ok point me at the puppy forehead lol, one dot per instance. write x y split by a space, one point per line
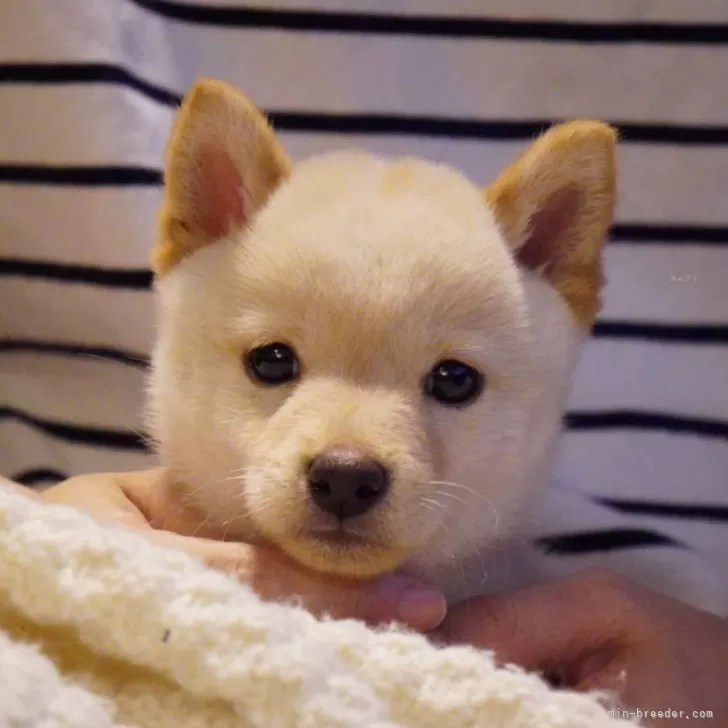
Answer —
360 199
406 236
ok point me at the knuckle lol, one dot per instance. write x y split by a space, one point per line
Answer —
500 620
616 596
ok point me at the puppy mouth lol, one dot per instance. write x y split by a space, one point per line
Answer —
340 535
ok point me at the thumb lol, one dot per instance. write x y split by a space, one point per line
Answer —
275 577
551 628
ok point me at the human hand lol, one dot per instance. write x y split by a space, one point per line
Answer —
147 501
599 631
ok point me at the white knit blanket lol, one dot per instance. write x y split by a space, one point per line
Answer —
99 628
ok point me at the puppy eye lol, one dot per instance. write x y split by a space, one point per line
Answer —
453 383
273 364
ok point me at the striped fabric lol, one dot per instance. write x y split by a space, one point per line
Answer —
88 91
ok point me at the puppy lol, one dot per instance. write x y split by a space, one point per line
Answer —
365 362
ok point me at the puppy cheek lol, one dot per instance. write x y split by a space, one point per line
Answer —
484 483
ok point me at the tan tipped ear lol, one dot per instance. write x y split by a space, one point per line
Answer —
223 162
555 205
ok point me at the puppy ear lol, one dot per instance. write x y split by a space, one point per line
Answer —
555 205
223 162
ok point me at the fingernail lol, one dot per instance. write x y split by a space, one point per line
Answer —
421 606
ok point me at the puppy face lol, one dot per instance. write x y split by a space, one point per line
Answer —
365 362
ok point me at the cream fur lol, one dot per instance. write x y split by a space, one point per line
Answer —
373 271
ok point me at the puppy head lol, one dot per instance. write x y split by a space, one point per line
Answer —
365 362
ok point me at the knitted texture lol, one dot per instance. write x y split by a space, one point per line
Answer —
101 628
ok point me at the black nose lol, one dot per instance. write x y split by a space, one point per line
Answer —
345 484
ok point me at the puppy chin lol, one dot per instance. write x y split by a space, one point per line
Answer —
342 556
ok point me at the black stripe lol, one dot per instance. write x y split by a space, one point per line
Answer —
441 26
589 542
334 123
374 125
111 277
75 73
137 279
74 350
667 333
39 476
631 420
91 436
671 510
662 234
426 126
72 176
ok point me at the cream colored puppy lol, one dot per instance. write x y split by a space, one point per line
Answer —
363 361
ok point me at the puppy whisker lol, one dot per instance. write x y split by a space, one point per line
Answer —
442 485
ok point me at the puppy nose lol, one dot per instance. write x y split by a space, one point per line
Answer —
345 484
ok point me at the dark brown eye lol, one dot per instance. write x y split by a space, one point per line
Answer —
453 383
273 364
